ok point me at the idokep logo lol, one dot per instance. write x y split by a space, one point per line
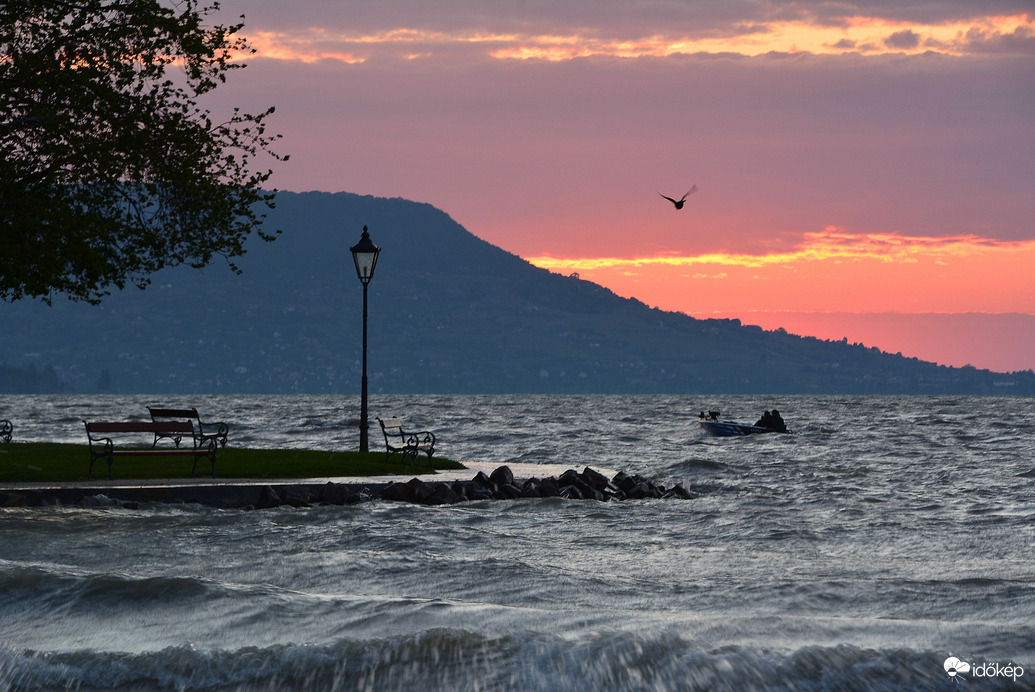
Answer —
955 668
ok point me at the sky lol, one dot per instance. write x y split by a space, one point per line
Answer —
865 169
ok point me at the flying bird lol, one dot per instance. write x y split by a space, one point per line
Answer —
679 202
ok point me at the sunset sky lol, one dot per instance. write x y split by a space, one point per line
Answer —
865 169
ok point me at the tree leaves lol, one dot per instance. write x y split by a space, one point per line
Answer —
110 168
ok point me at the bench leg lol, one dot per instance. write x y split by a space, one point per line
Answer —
108 457
212 457
210 453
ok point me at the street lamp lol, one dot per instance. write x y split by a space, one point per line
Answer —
364 253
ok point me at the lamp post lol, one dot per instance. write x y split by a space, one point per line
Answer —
364 253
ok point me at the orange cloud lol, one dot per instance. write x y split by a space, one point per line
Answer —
866 35
314 44
830 271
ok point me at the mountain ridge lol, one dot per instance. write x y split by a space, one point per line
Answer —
448 313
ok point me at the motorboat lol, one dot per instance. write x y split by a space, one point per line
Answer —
726 428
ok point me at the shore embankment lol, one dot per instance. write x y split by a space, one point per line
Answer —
499 484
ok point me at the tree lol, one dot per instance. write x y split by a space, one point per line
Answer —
109 168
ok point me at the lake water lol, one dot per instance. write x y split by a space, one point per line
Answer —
883 537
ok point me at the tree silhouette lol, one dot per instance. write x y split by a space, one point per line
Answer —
109 168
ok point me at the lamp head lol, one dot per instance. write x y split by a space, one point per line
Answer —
365 253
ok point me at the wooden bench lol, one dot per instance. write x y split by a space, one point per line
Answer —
104 447
203 433
5 430
410 444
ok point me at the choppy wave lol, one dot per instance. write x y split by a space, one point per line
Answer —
885 535
449 659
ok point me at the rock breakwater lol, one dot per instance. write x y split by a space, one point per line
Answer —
501 484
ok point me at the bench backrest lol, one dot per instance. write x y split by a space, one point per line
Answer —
141 427
174 413
391 426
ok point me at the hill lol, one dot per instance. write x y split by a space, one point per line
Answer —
449 313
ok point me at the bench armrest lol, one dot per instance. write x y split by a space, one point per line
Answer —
421 437
218 431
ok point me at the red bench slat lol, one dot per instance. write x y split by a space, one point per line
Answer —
141 427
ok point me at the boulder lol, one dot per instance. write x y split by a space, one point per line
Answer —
594 479
268 498
398 492
442 494
624 482
481 479
419 491
334 493
13 500
571 479
478 491
531 488
296 496
508 491
548 487
570 492
644 491
679 492
460 489
502 476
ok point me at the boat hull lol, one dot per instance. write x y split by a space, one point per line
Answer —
731 429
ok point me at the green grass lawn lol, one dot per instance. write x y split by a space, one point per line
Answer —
42 462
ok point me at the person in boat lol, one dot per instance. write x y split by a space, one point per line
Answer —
772 421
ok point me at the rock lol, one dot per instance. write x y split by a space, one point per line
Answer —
502 476
508 491
481 479
568 477
268 498
624 482
396 492
477 491
679 492
548 487
594 479
644 491
296 496
334 493
13 500
419 490
570 492
571 479
531 488
442 494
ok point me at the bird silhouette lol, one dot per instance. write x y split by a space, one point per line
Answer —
679 202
